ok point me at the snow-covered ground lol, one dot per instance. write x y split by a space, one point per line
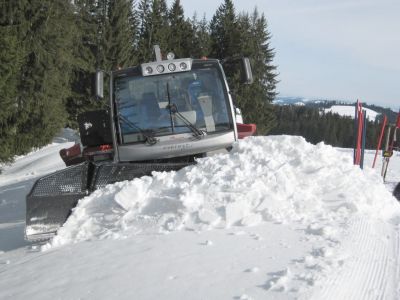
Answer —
277 218
348 111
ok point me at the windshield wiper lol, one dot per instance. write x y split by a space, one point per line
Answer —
196 131
173 109
148 134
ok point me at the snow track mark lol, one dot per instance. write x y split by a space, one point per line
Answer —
368 273
397 262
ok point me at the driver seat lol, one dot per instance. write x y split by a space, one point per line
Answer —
150 106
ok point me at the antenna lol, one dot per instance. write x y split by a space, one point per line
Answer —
157 51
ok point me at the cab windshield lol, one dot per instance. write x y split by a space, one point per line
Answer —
171 104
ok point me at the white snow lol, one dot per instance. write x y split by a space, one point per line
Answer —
276 218
348 111
40 161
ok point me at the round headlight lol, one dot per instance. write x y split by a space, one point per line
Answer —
171 67
160 68
170 55
183 66
149 70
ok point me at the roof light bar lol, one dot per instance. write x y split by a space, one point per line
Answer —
183 66
170 55
148 70
172 67
160 68
166 66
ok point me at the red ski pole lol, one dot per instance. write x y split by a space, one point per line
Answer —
380 140
359 134
355 133
364 136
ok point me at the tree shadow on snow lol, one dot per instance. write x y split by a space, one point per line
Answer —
396 191
12 214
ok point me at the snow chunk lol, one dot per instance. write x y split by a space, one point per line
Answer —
208 216
280 281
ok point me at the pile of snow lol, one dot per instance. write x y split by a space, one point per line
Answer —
281 179
348 111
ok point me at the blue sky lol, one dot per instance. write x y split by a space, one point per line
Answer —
341 49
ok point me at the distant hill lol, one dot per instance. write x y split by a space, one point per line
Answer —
339 107
321 103
348 111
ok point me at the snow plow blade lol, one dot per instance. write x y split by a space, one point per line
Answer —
52 197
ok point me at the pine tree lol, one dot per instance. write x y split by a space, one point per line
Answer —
233 37
44 77
106 41
143 13
180 35
119 35
263 65
224 33
86 59
134 22
37 38
159 23
201 42
153 27
12 52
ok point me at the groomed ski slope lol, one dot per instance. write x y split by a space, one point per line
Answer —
276 218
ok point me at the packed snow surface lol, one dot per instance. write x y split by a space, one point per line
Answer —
276 218
348 111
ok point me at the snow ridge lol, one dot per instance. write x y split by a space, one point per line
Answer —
264 179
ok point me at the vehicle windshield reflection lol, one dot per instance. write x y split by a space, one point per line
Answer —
198 95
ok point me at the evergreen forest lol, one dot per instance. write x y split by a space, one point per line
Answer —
50 49
317 126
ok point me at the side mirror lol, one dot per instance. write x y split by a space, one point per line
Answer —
247 74
99 84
